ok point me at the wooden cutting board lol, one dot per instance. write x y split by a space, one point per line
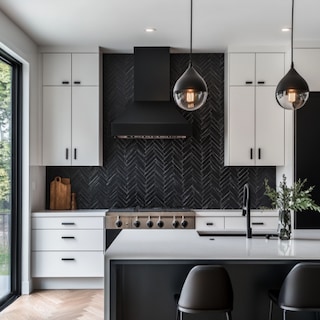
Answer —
60 194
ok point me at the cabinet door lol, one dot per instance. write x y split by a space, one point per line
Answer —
56 125
56 69
85 126
85 69
269 128
269 68
241 126
241 69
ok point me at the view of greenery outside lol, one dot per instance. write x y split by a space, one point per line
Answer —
5 165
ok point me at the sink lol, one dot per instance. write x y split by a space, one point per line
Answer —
240 233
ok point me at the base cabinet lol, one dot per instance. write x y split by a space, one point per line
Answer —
67 247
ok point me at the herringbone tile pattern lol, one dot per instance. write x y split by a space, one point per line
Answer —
165 173
57 305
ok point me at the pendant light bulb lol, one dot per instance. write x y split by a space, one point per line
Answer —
190 92
292 92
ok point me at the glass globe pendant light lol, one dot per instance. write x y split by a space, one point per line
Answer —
190 92
292 91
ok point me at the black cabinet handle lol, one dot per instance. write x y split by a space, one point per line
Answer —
63 237
77 82
209 223
68 259
67 153
75 153
251 153
65 82
261 82
257 223
68 223
249 82
259 153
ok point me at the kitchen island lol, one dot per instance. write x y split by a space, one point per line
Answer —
145 270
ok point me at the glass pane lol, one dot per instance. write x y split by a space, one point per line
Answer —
5 177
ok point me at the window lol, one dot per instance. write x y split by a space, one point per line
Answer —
10 178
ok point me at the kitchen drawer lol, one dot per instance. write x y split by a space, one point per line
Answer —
68 223
71 240
257 223
209 223
67 264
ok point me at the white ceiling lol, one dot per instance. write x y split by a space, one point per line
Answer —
118 25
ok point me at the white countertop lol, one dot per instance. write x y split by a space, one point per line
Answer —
71 213
188 245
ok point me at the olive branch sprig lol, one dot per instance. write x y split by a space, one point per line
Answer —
291 198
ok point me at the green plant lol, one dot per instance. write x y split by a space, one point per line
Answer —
291 198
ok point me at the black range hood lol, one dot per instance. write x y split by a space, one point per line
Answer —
152 115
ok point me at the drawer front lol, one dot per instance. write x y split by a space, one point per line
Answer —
68 223
209 223
257 223
264 223
69 240
67 264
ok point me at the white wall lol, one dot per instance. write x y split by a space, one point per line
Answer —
24 49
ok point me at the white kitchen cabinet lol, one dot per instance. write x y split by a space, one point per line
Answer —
306 62
229 222
254 122
67 246
72 129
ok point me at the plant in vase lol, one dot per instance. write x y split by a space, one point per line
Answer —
287 198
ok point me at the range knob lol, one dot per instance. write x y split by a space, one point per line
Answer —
184 223
136 223
175 223
160 223
149 223
118 222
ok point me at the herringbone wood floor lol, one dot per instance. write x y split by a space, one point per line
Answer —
57 305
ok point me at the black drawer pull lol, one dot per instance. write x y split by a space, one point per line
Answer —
75 153
257 223
67 153
76 82
68 259
209 223
249 82
65 82
63 237
68 223
251 153
261 82
259 153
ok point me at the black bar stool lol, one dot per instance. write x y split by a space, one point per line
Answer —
206 288
299 291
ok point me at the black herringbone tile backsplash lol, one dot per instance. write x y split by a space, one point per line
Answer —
165 173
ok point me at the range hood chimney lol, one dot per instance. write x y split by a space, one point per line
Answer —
152 115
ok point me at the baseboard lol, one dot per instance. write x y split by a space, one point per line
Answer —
68 283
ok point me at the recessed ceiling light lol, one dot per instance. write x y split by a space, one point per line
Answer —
285 29
150 29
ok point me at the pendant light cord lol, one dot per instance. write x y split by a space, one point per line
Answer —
191 11
292 15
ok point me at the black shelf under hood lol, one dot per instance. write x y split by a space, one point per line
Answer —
151 120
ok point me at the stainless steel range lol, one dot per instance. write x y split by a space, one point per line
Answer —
158 218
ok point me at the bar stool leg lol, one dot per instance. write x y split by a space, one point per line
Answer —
284 315
317 315
229 315
270 309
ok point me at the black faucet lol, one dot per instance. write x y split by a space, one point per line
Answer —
246 208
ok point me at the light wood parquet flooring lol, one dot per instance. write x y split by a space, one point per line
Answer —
57 305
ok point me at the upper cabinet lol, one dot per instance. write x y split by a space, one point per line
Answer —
306 62
254 122
72 123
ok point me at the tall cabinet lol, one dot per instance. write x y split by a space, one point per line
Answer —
72 122
254 122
